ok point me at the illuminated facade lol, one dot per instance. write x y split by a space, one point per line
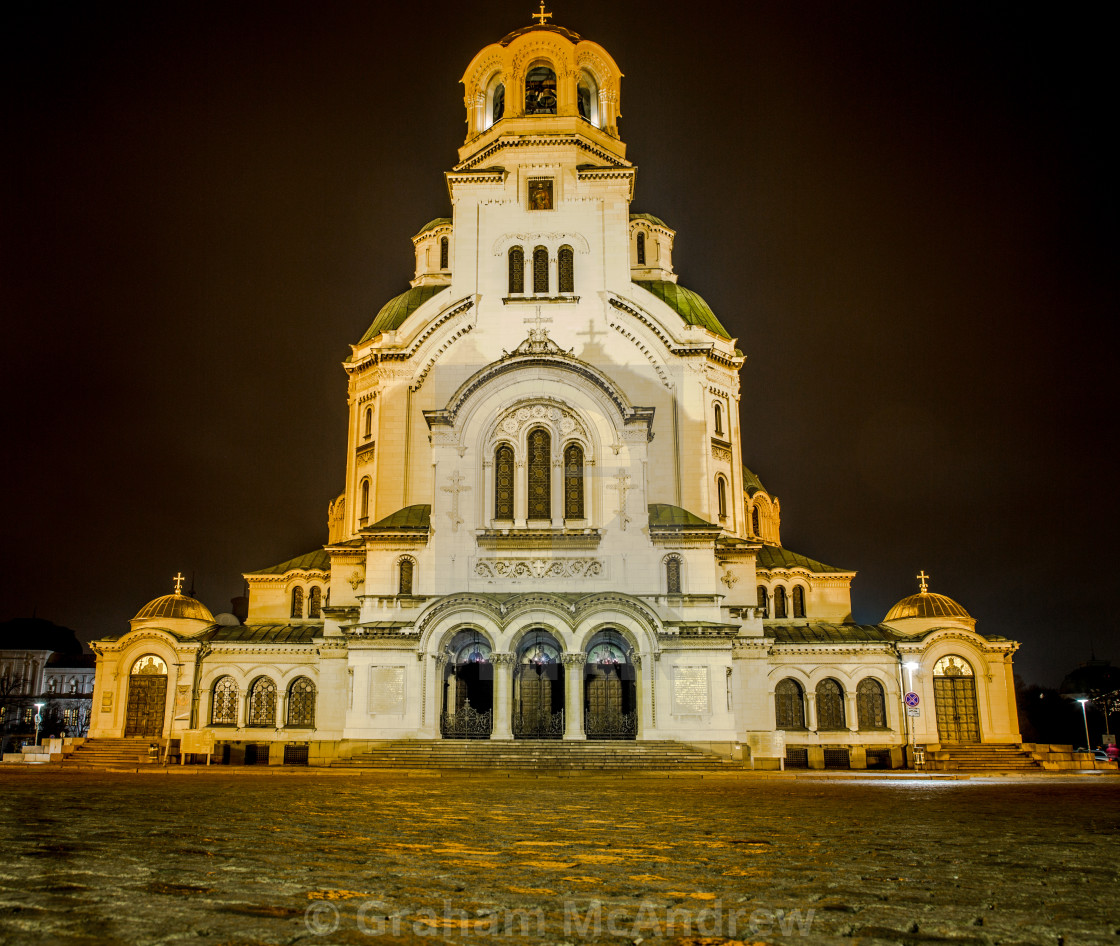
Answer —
547 529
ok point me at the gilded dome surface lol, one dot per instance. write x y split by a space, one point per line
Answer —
175 606
926 604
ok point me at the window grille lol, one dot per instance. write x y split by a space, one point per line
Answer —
789 705
262 703
301 703
566 264
224 709
830 705
516 270
540 475
573 482
540 270
503 482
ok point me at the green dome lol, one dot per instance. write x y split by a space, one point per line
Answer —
686 303
399 308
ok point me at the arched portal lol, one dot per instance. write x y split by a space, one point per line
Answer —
147 697
610 706
538 688
468 688
954 696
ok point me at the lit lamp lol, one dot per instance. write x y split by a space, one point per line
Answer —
1085 717
39 720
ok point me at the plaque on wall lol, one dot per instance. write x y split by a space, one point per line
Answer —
386 690
690 690
106 702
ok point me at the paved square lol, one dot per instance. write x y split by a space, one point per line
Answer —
248 859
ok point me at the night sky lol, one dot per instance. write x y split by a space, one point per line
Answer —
905 212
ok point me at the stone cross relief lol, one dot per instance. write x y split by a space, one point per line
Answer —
457 486
623 486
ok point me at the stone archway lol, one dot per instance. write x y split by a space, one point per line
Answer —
147 697
538 687
610 706
468 688
954 695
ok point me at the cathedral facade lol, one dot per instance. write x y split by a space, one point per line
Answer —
547 529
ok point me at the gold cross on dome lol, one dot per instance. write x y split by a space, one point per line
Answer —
924 579
179 579
542 16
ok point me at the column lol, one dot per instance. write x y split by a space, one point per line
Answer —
503 675
811 710
573 696
851 710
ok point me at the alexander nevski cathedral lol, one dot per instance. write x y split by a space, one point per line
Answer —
547 528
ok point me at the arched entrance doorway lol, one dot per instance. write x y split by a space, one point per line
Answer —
954 695
538 688
147 697
468 688
610 706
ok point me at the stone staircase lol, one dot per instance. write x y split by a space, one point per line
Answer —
986 757
109 753
530 755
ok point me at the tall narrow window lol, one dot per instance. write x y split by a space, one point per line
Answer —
223 708
498 106
641 248
443 252
404 586
764 601
262 702
673 575
780 602
721 496
297 602
719 419
830 705
365 502
540 270
367 430
798 601
789 705
566 265
503 482
756 526
540 475
573 482
870 704
516 269
301 703
315 602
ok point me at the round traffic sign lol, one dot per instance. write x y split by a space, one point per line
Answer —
912 699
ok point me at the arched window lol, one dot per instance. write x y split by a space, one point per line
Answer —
871 704
407 568
641 248
443 252
952 667
798 601
789 705
365 502
297 602
830 705
540 91
540 270
756 526
540 475
780 602
367 430
516 270
315 602
587 95
52 685
503 482
223 707
673 575
764 600
301 703
721 496
719 419
566 264
497 103
573 482
262 702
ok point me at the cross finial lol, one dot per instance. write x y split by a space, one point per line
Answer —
923 578
179 579
542 16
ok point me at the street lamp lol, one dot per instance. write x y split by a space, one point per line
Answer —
911 736
1085 717
38 720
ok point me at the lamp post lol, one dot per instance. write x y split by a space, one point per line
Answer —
38 720
1085 717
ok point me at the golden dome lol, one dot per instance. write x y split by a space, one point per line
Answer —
175 606
926 604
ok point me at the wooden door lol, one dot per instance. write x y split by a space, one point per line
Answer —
147 699
957 716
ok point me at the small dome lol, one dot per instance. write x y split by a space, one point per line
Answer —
925 604
175 606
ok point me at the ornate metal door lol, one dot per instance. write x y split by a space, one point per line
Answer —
605 716
147 696
534 717
957 717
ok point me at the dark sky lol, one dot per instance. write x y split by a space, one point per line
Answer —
902 210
